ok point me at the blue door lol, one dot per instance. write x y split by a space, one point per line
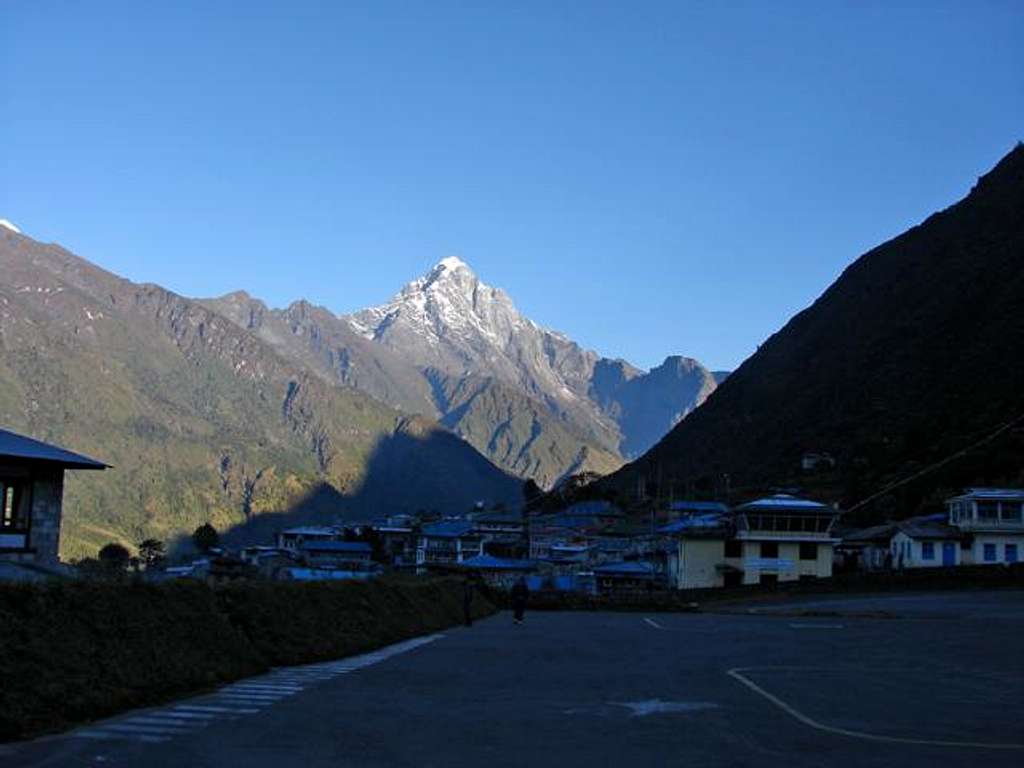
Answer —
948 553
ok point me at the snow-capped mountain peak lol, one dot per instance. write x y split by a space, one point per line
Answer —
449 304
8 225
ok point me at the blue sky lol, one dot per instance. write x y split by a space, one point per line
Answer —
650 178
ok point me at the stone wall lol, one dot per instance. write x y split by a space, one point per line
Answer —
47 490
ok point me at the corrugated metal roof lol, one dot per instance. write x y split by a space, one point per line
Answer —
18 446
448 529
630 568
874 533
695 522
785 501
491 563
337 546
312 530
928 528
698 506
1014 494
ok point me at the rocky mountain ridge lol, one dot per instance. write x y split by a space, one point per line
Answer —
201 419
451 347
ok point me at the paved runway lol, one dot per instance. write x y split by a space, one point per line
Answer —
942 683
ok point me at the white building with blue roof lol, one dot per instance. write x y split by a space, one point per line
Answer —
769 540
992 521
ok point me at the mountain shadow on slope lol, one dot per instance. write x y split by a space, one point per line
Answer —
409 471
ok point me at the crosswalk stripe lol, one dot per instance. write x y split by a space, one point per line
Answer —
245 697
95 733
218 710
151 730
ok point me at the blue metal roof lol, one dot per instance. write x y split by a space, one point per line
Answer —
630 568
785 501
694 522
491 563
448 529
17 446
698 506
1009 494
337 546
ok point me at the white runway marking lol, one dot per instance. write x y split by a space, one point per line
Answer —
737 674
244 697
659 707
216 710
654 624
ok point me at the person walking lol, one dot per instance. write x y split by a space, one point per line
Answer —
520 594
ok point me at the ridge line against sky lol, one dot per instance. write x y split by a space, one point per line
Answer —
673 178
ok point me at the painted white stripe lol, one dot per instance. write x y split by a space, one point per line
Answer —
737 674
654 624
157 719
95 733
264 689
191 715
219 710
252 701
152 730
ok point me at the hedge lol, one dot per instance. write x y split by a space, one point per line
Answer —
77 651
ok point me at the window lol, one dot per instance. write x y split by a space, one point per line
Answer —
988 510
769 549
990 553
733 548
1009 510
13 506
769 578
1011 553
808 550
927 550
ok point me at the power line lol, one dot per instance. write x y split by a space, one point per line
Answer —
931 468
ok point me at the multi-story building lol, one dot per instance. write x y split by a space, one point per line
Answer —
449 542
777 538
992 521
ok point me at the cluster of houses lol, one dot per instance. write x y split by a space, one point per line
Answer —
590 546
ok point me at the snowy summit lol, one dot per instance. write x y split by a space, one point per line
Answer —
8 225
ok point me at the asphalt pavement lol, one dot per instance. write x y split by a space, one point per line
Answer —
938 681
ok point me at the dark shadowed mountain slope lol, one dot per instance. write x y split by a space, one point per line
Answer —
202 419
916 351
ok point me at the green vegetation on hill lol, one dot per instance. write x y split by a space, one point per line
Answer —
201 420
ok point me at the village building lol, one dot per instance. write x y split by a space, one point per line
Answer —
449 542
625 580
785 538
499 572
341 555
993 519
678 510
502 534
398 543
982 526
774 539
925 542
31 497
294 539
